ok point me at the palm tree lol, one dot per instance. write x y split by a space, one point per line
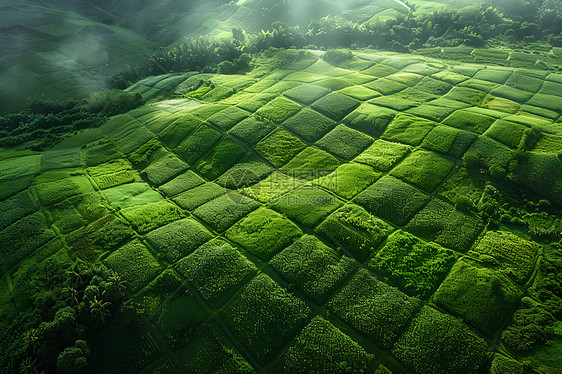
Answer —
32 338
100 308
72 295
29 366
118 281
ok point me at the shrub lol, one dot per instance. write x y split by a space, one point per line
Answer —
313 267
135 264
225 210
382 155
337 56
423 169
178 239
279 109
307 353
145 218
348 179
280 147
373 308
309 124
306 205
481 296
335 105
216 270
184 182
221 158
252 130
345 142
354 231
414 265
370 119
540 173
454 348
264 317
392 199
443 224
263 233
408 130
515 256
306 93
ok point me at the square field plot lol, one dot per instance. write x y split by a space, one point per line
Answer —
265 317
506 132
433 86
263 233
408 129
244 174
279 109
449 141
386 86
373 308
354 230
515 256
216 270
392 199
370 119
221 158
415 265
60 159
62 187
423 169
15 208
336 105
469 121
454 348
178 130
197 196
112 173
145 218
164 169
306 93
360 93
272 187
309 124
225 210
321 348
184 182
280 147
311 163
442 223
135 264
383 155
228 118
131 194
466 95
252 130
315 268
345 142
306 205
178 239
198 143
511 93
481 296
550 102
348 179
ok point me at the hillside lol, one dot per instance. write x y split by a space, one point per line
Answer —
390 210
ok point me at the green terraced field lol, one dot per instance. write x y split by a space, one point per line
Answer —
386 214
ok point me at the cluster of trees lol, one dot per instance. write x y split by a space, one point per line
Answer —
533 20
84 300
46 121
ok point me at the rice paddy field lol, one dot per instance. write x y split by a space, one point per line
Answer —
389 213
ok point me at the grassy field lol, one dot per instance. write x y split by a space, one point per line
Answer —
372 216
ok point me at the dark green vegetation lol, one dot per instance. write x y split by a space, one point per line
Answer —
288 209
